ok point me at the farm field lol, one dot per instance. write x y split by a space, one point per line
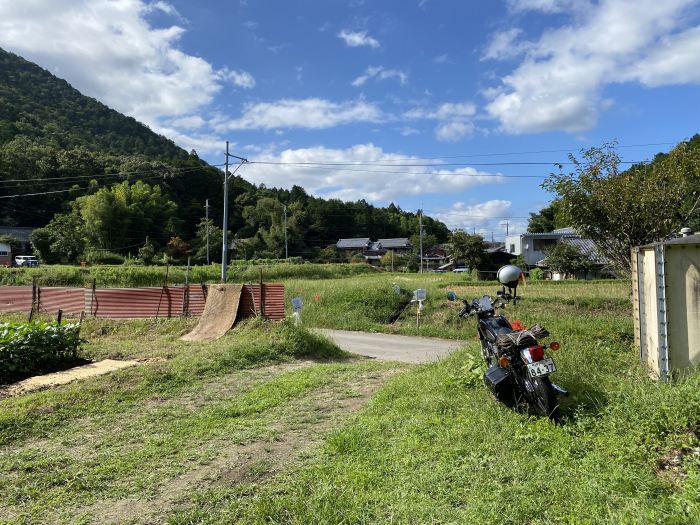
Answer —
272 424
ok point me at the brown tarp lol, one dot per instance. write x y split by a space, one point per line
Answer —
219 314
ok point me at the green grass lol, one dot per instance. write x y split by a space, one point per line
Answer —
136 276
432 446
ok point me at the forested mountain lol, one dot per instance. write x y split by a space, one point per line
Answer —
76 155
36 104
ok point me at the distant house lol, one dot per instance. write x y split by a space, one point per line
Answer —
373 251
532 246
5 254
20 233
601 266
400 244
354 245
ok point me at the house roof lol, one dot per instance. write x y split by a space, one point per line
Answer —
400 242
21 233
358 243
588 248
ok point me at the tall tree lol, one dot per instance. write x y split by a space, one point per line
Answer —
621 209
468 248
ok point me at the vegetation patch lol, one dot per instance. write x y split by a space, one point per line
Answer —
37 347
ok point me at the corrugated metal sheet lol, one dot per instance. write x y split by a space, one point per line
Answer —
125 303
15 298
50 300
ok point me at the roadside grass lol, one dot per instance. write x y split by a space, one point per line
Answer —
68 453
429 451
135 276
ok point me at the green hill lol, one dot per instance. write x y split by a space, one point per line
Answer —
57 145
37 105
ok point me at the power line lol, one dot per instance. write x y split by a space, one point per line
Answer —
153 177
117 174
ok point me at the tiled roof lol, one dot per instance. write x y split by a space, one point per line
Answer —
20 233
358 243
400 242
588 248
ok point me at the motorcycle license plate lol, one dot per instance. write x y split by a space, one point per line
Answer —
541 368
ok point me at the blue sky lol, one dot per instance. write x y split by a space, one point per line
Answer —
377 84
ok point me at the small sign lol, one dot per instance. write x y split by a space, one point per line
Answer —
297 304
420 294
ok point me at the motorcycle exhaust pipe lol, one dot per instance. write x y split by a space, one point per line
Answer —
559 390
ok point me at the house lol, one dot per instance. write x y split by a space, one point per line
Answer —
21 233
5 254
601 266
354 245
532 246
398 245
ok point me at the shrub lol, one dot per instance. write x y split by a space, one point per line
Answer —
103 257
536 274
28 348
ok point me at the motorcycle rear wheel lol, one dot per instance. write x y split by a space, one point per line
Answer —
541 397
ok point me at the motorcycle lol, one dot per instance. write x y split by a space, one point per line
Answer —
518 368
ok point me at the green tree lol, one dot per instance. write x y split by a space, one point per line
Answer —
618 210
565 258
147 252
216 239
122 216
547 219
468 248
62 240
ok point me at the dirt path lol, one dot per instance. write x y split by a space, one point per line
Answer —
65 376
389 347
300 426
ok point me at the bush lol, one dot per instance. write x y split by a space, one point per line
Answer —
29 348
536 274
103 257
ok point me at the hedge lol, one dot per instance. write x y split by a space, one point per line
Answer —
36 347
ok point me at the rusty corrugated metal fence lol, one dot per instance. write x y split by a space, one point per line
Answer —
130 303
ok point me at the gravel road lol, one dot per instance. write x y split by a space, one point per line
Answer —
389 347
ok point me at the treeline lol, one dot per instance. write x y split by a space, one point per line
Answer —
92 204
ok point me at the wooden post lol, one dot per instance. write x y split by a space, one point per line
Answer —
262 294
93 310
31 309
59 317
186 290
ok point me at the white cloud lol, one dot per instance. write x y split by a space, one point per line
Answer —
454 119
407 131
377 183
358 39
547 6
188 122
559 83
380 73
503 45
108 50
242 79
454 130
441 59
484 217
310 113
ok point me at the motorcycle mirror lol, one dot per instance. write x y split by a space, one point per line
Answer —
451 296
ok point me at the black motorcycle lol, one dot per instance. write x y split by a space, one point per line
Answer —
518 368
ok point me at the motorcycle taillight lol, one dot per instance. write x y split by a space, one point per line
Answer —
536 353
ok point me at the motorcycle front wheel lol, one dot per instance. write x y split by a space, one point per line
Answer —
541 397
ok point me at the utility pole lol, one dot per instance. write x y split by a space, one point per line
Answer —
420 225
224 252
286 250
206 214
507 228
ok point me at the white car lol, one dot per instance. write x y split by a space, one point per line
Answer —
26 260
460 270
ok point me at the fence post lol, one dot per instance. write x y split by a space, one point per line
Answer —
93 310
31 309
262 295
59 317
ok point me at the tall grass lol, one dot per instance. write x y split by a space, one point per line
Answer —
137 276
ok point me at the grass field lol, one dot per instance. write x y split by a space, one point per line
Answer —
274 425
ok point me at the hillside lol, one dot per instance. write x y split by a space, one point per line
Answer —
36 104
57 146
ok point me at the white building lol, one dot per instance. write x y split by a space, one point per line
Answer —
532 246
5 254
